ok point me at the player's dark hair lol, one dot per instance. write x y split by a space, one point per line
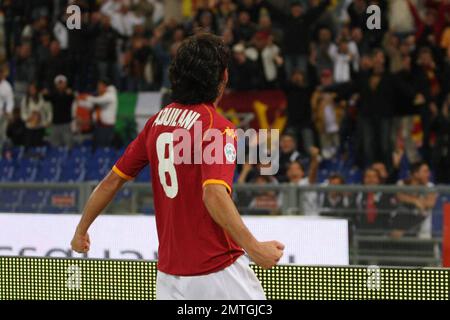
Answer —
197 70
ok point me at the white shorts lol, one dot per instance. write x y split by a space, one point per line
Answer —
236 282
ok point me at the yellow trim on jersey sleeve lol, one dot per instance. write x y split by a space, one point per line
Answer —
121 174
217 181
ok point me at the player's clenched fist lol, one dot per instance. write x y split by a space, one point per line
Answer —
267 254
80 242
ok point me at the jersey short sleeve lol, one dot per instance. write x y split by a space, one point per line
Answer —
221 171
134 159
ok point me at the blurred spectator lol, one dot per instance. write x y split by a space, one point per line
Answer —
105 112
396 50
37 115
400 18
429 28
144 10
298 93
226 10
321 50
265 202
250 172
137 59
345 58
6 105
16 131
205 21
376 89
267 56
408 104
413 217
441 150
42 49
361 42
25 71
123 20
446 72
243 71
288 153
358 18
244 28
433 89
265 25
296 176
336 204
390 177
105 48
327 114
61 98
61 33
55 64
296 28
253 7
374 208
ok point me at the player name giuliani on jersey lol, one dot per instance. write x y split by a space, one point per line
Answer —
174 117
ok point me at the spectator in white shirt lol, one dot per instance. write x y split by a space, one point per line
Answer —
345 59
414 215
105 112
124 21
269 53
6 105
37 114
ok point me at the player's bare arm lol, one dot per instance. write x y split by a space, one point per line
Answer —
224 213
99 199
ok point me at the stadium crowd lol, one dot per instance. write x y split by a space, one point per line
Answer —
352 91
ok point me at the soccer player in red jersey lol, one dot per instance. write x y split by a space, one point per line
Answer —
191 150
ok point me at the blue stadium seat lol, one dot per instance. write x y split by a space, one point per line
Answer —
34 197
25 170
71 172
18 152
6 170
48 172
57 153
104 152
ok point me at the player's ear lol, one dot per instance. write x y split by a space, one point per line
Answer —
225 76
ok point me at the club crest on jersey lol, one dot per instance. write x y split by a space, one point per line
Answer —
230 152
230 133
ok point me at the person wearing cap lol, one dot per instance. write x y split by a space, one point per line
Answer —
243 71
61 98
105 112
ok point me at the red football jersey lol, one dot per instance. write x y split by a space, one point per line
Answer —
190 242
